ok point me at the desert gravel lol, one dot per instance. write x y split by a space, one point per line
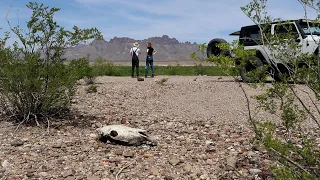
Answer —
200 123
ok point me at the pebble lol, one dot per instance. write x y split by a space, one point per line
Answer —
129 154
93 178
68 173
231 162
147 155
5 164
118 152
174 161
17 142
154 171
57 144
187 167
43 174
254 171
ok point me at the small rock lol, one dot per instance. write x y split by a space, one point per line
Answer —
5 164
129 154
231 162
254 171
17 142
93 178
208 143
43 174
211 150
57 144
251 154
174 161
154 171
168 178
67 173
36 148
147 155
118 152
187 167
70 178
203 177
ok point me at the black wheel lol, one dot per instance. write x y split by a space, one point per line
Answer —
213 49
252 63
284 73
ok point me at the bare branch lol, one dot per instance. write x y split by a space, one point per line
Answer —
289 160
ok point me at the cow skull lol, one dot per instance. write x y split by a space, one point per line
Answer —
125 135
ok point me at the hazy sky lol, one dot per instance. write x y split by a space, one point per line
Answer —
187 20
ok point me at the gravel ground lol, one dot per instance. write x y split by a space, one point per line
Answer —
200 124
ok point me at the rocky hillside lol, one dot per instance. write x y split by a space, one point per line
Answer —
117 49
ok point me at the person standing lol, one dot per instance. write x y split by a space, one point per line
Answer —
149 59
134 52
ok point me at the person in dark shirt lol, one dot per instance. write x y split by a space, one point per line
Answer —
149 59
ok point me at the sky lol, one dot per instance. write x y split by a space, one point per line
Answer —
186 20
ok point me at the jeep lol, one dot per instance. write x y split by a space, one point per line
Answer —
305 31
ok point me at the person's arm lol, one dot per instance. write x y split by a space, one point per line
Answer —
131 52
147 51
154 52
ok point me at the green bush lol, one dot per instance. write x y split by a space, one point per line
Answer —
104 68
35 82
199 69
92 89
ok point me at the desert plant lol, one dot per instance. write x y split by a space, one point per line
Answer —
80 67
92 89
103 67
162 81
199 69
291 146
35 82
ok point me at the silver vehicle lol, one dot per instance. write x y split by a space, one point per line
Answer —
306 34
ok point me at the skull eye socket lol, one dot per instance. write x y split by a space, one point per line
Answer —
113 133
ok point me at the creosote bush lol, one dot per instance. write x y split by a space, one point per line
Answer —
35 82
293 147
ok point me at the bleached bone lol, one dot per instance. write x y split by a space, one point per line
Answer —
125 135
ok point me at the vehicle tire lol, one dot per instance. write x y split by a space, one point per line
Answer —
213 49
252 63
283 72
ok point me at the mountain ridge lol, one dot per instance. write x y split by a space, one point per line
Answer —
117 49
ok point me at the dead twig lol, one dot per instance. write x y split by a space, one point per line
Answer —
24 120
124 167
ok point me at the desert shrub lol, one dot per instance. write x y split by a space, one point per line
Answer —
162 81
103 67
92 89
80 67
35 82
199 69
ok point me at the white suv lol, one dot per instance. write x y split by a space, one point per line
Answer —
306 34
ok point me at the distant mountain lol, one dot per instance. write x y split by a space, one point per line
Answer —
117 49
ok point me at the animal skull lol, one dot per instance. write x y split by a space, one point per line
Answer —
125 135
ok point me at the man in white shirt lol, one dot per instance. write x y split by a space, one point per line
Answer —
135 52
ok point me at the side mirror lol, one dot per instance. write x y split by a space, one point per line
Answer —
298 40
